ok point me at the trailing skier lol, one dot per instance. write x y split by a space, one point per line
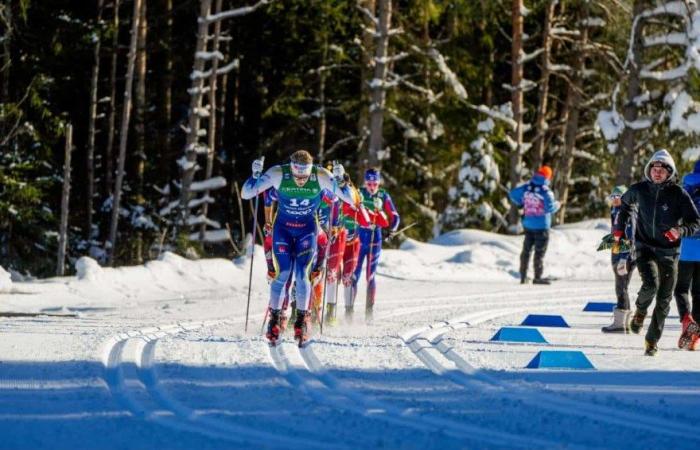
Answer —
383 214
299 187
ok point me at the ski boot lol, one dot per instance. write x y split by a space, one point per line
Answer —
330 315
273 327
650 348
620 322
301 327
689 329
637 321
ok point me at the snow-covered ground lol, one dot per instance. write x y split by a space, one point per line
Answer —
156 357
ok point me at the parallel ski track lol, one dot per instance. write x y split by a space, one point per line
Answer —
428 346
140 392
302 369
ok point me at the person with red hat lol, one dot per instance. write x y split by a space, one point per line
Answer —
538 204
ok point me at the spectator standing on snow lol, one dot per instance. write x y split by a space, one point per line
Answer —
664 214
623 266
689 273
538 204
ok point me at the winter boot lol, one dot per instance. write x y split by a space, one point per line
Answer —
541 281
330 315
650 348
301 327
620 322
637 321
689 329
273 327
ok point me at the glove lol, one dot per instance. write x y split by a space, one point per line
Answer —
672 235
378 203
617 235
267 229
257 167
338 172
621 267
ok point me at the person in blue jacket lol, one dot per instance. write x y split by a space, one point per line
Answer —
538 204
689 273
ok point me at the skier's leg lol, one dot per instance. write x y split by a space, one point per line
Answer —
350 261
364 238
541 242
282 262
375 251
648 271
668 270
695 291
305 248
528 242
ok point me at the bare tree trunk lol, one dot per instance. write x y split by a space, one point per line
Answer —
212 115
112 108
378 99
8 25
65 202
92 118
517 101
124 132
573 100
321 125
365 93
630 110
196 93
140 120
164 104
542 104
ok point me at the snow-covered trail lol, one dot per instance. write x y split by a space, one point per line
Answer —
156 357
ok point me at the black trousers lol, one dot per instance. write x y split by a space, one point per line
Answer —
658 270
622 283
688 280
539 240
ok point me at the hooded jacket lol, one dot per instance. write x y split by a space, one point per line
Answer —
690 246
537 201
658 208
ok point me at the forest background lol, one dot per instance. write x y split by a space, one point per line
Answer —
457 101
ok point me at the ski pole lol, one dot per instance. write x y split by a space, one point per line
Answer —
393 234
373 229
252 246
328 248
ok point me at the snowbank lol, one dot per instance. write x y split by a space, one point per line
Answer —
476 255
5 280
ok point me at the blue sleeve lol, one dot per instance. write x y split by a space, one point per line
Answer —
550 204
390 208
516 195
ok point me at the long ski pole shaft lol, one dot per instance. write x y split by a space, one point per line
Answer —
252 249
325 275
369 265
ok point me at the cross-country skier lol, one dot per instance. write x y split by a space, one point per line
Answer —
664 214
689 273
299 187
538 204
344 250
622 265
383 215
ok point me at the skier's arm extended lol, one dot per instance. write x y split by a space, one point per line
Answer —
254 186
326 180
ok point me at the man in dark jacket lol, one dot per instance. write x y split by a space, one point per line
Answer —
664 214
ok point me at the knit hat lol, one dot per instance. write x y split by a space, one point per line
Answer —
545 171
618 190
373 175
664 157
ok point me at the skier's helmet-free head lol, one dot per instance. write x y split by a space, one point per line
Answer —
662 159
372 179
545 172
301 163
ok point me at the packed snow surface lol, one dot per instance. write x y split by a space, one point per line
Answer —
156 356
